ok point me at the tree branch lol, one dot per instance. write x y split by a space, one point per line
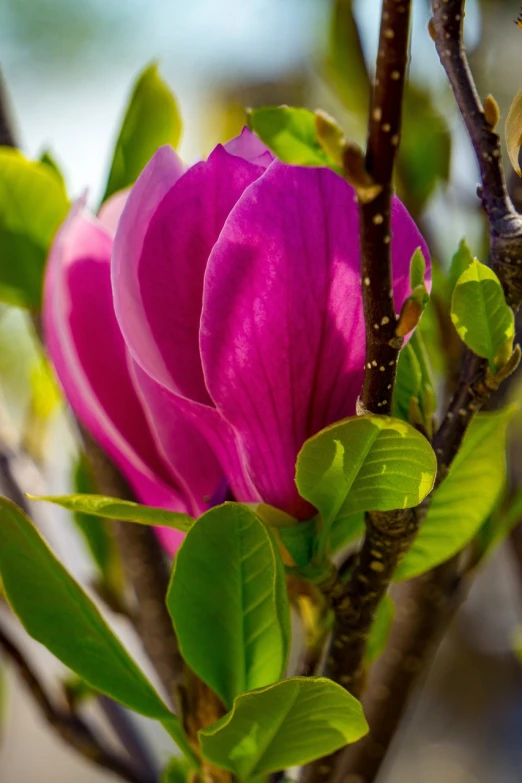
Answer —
505 224
69 726
434 598
382 344
388 536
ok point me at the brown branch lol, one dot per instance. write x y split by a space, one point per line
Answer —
388 536
7 138
382 344
69 726
505 224
434 598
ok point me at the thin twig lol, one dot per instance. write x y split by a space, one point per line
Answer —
505 224
69 726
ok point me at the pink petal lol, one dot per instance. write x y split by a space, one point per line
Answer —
111 210
154 182
282 330
249 147
89 355
165 236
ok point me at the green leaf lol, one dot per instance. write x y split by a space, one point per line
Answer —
151 120
461 261
95 531
345 64
55 611
417 269
290 133
498 526
481 316
408 383
380 630
365 463
48 159
228 596
178 770
465 498
124 510
425 151
345 530
287 724
414 397
33 203
300 540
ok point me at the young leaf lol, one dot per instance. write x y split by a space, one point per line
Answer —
408 383
178 770
290 133
414 395
48 159
365 463
151 120
287 724
462 259
513 131
124 510
33 203
228 596
380 630
483 320
55 611
345 530
465 498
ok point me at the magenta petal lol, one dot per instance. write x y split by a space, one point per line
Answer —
249 147
89 355
179 441
176 420
282 331
159 261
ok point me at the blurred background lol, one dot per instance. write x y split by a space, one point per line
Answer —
69 67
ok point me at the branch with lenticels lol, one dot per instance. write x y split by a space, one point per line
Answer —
388 536
432 599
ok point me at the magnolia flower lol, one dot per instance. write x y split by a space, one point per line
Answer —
220 327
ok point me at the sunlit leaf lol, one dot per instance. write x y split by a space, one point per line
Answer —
151 120
366 463
287 724
483 320
33 203
290 133
513 131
